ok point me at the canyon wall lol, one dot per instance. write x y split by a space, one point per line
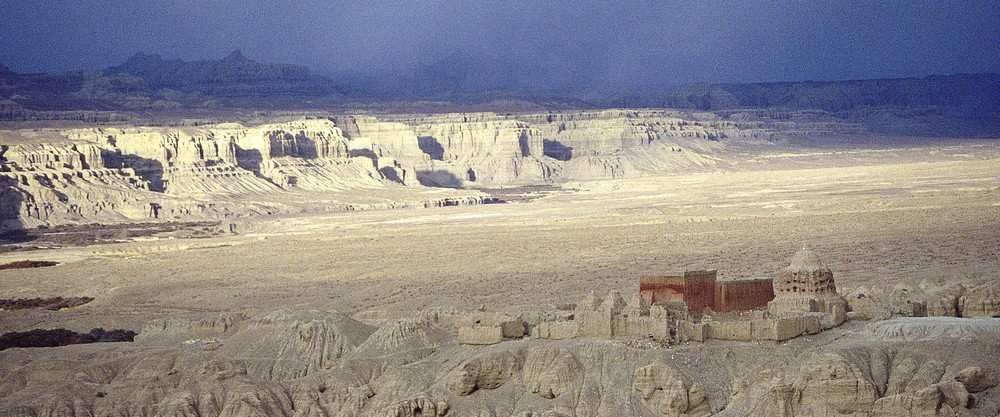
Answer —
147 174
227 170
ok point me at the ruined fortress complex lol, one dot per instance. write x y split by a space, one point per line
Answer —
688 306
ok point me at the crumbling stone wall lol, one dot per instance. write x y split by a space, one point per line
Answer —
480 335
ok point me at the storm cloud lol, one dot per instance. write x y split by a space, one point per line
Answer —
528 44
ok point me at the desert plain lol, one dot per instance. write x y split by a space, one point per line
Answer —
355 311
881 215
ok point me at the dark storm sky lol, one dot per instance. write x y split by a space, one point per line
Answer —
607 43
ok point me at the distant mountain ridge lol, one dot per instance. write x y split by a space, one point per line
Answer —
232 76
976 93
961 105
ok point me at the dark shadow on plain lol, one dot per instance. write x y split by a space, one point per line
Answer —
112 159
391 174
287 144
306 148
522 141
11 224
431 146
62 337
367 153
150 170
51 304
554 149
438 178
47 183
249 159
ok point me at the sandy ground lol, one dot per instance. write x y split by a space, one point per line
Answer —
873 215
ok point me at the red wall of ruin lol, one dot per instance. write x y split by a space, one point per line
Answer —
699 291
743 295
661 288
695 288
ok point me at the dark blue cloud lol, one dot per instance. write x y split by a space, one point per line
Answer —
531 43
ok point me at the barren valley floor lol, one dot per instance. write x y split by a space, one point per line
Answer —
919 214
355 313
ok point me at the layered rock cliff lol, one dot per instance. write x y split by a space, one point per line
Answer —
130 174
492 149
113 174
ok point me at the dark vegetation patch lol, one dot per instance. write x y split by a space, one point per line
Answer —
53 304
62 337
92 234
27 264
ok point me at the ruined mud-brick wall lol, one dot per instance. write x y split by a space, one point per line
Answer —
557 330
641 327
742 295
777 329
480 335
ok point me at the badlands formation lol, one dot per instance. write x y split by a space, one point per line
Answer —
484 264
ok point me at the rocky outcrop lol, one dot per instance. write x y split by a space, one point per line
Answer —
551 373
911 372
933 328
975 379
667 392
11 110
934 400
416 407
928 299
833 384
403 341
324 363
982 301
488 371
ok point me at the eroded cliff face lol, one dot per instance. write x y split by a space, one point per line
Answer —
117 174
491 149
905 366
143 173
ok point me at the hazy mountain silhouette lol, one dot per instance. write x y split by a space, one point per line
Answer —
232 76
459 82
977 93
